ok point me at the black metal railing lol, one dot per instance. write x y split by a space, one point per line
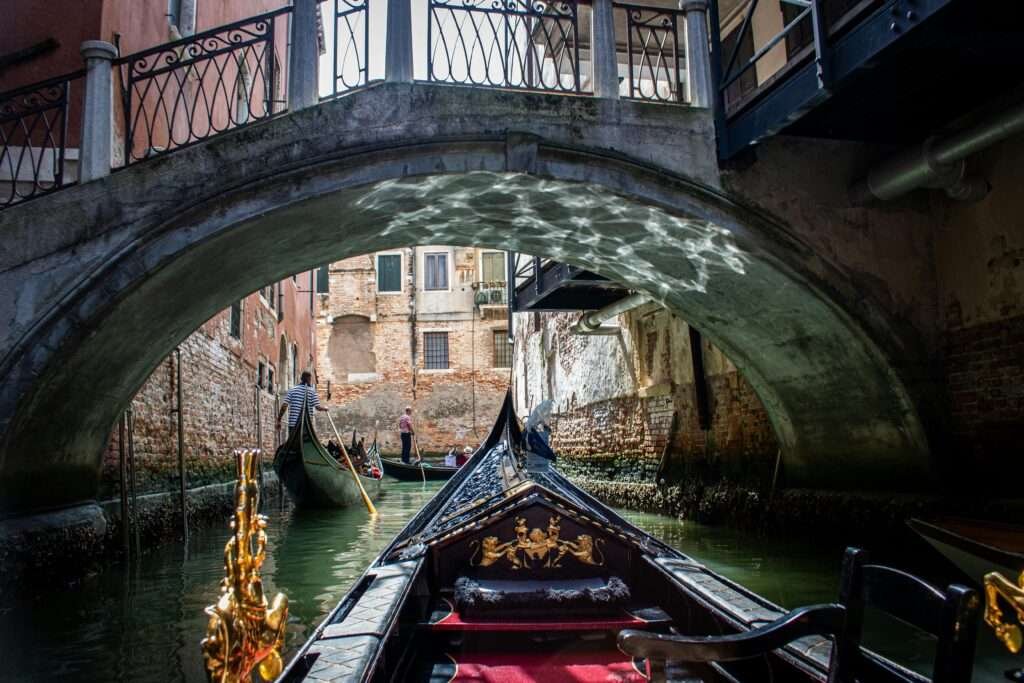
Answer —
504 44
350 44
188 90
34 138
655 46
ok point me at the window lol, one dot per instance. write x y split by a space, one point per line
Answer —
235 320
268 295
502 350
492 266
801 35
748 81
295 364
389 272
182 15
435 350
435 275
259 374
270 380
323 280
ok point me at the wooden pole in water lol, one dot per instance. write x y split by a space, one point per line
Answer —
419 456
181 451
355 475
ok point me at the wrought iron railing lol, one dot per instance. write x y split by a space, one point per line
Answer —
34 138
350 40
490 293
504 44
179 93
656 49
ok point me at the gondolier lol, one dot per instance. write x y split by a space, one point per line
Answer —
406 432
303 391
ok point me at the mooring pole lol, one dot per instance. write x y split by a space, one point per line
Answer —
181 449
124 484
259 441
134 516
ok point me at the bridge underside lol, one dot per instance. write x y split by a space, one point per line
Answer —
106 278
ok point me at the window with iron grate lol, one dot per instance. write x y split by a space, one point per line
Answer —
435 350
502 349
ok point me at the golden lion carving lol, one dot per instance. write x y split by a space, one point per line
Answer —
536 545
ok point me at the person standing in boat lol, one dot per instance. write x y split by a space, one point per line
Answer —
303 391
406 432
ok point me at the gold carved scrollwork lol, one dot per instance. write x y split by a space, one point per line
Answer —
998 586
531 547
243 632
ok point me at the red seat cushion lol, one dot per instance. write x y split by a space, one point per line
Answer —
604 666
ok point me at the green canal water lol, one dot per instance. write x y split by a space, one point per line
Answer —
142 621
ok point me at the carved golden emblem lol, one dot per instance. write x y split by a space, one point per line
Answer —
996 586
243 633
536 545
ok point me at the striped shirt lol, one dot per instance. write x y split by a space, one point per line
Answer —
294 399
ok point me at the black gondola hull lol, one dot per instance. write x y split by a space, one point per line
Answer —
400 470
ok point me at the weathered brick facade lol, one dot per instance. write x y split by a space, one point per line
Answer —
626 407
372 358
219 377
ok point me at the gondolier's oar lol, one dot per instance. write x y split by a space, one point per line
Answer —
416 443
355 475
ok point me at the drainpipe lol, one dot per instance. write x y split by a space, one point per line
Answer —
939 162
590 323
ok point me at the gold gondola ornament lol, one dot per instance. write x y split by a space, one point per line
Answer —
998 586
243 633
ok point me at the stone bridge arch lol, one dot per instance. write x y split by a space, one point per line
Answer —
102 280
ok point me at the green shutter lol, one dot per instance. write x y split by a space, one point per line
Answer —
389 273
323 280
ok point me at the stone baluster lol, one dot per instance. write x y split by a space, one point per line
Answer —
603 55
398 50
98 110
304 61
698 57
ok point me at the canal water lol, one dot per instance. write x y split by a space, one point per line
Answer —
142 621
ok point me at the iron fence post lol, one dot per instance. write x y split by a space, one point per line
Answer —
398 62
97 115
604 56
304 60
698 55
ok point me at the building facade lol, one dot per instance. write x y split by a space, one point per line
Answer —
424 327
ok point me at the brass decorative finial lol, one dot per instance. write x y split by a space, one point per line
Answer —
996 586
243 633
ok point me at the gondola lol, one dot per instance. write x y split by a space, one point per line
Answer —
409 472
976 547
312 477
512 573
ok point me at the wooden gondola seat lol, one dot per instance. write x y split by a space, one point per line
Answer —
700 655
950 615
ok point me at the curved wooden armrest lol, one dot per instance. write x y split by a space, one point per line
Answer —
823 620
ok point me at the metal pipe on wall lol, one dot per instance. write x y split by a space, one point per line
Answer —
590 323
181 448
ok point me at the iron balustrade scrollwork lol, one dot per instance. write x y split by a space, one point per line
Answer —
526 44
351 44
191 89
34 137
655 47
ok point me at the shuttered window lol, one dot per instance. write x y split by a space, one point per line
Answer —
389 273
323 280
435 275
493 266
435 350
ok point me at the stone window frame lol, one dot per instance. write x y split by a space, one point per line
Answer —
448 261
261 371
181 16
401 270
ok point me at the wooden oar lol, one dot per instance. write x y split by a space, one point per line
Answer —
355 475
416 443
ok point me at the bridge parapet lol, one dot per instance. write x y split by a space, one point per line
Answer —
176 94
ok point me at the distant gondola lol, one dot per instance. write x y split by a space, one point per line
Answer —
312 477
410 472
976 547
511 572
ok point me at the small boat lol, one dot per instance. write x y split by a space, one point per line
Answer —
511 572
976 547
410 472
313 477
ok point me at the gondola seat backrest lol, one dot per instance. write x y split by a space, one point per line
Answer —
950 615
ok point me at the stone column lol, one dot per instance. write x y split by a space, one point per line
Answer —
604 59
98 113
398 49
304 60
698 57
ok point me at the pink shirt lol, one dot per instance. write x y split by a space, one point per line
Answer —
405 424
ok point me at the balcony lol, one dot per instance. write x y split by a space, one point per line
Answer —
546 285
